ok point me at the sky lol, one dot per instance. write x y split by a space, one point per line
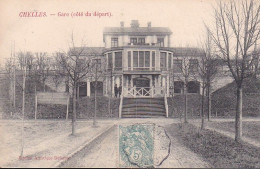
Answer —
52 33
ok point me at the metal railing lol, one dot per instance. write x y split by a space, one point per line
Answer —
144 91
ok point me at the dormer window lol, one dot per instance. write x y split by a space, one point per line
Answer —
114 42
160 42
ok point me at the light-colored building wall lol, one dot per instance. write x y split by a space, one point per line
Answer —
124 40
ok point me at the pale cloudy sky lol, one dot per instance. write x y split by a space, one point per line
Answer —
52 33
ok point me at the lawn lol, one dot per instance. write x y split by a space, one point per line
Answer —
251 129
216 149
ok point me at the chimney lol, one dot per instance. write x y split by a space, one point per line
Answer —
122 24
149 24
134 24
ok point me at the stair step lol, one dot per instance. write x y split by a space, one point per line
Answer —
144 105
141 116
143 98
143 102
144 109
144 113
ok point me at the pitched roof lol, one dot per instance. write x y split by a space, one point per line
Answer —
137 30
178 51
88 51
185 51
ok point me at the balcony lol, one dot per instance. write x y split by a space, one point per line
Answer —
145 44
136 70
142 70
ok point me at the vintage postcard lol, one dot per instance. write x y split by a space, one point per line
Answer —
130 83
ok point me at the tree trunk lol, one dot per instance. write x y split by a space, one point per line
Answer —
95 113
109 106
209 103
44 87
185 104
111 82
238 122
202 107
74 112
23 106
14 92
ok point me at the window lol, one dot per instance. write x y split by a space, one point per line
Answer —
96 64
193 87
169 61
129 59
137 41
118 60
160 41
133 40
193 65
178 87
110 61
153 59
114 42
177 66
163 60
141 60
141 40
99 88
135 58
82 89
147 59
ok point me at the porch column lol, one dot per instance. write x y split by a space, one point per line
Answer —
132 60
113 84
88 88
106 87
126 81
132 83
168 85
200 87
122 84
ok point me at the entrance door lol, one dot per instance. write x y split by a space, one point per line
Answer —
142 82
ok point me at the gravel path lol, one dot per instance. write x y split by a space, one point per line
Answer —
104 153
180 156
101 153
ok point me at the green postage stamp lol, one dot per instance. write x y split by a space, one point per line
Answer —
136 145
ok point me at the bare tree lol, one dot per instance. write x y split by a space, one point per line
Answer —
236 30
185 71
256 58
43 67
57 73
208 68
76 66
97 75
24 59
9 68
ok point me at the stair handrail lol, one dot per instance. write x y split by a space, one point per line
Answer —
166 104
120 106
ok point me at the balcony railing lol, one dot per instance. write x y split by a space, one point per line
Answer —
144 91
138 69
146 44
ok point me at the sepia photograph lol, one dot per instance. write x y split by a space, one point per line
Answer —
130 84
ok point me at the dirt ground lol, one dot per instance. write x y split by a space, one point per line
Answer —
47 139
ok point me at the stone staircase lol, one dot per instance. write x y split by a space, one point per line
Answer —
143 107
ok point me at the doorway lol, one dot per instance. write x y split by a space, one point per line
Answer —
142 82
